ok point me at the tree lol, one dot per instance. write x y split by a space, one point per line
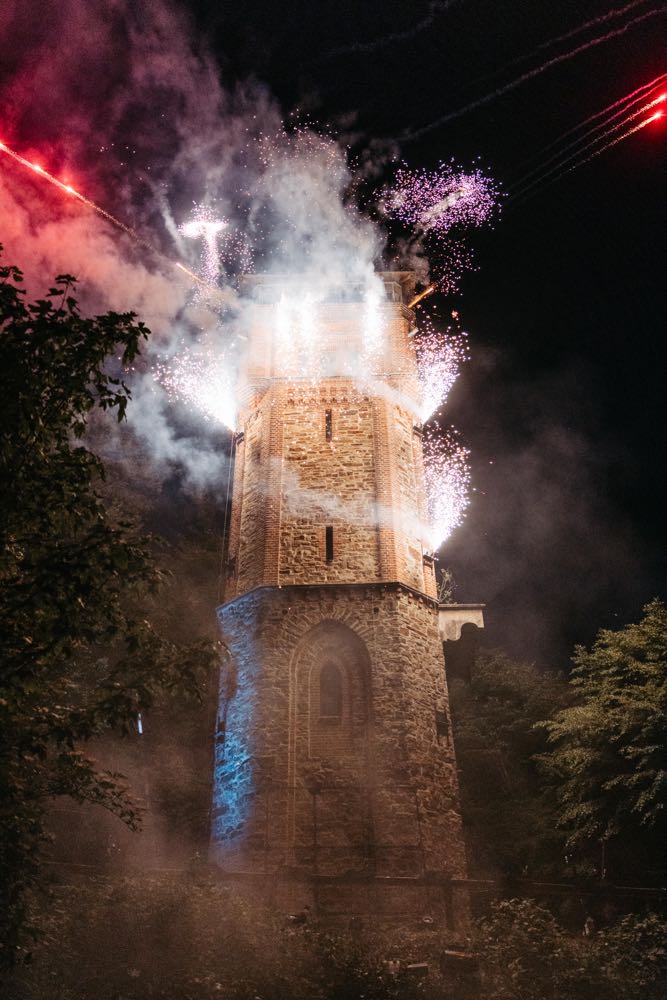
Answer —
79 658
607 753
509 816
526 955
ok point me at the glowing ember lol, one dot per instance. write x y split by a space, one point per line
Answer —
447 479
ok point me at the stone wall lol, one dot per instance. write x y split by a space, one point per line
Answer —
328 482
379 795
365 481
291 482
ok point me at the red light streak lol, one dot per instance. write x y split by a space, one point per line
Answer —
68 189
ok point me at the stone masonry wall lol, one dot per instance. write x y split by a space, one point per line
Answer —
290 483
328 483
366 790
380 797
366 482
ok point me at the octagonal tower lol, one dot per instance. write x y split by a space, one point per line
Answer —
335 776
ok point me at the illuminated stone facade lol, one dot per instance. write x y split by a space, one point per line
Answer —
335 769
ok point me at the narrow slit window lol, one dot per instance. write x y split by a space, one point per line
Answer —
328 425
328 542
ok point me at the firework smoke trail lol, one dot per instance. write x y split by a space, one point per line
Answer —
447 483
573 32
68 189
521 189
620 138
530 74
604 125
396 36
634 97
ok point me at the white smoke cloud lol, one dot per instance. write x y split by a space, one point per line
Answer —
140 122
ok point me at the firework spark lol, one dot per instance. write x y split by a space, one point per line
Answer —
201 378
437 205
442 199
296 333
204 226
439 360
221 246
447 481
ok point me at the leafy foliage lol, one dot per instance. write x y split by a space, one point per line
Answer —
525 955
509 815
607 755
167 936
78 655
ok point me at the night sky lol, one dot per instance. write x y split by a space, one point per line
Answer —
561 403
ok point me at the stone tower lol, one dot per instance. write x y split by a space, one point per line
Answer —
335 778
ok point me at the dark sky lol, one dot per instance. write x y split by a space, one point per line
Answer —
562 402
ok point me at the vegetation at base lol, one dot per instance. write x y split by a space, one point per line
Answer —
79 658
607 752
567 778
526 955
185 936
509 814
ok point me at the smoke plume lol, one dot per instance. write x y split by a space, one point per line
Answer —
124 102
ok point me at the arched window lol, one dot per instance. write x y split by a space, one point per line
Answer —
331 692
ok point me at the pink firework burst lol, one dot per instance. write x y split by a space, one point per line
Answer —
439 200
